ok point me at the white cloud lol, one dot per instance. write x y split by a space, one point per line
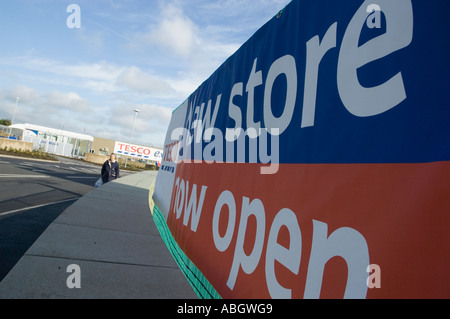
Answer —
98 71
71 101
73 112
179 42
146 54
99 77
26 94
175 31
150 127
51 102
53 109
94 40
134 79
155 113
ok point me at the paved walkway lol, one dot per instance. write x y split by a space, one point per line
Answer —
110 234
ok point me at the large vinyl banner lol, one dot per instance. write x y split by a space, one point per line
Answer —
315 162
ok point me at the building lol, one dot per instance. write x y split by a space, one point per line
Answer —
102 146
134 152
71 144
53 141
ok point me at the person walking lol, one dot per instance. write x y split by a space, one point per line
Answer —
110 169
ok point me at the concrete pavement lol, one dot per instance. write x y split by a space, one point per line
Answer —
110 234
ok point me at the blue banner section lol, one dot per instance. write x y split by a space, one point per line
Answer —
324 82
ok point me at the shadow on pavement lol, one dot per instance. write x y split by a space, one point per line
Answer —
110 234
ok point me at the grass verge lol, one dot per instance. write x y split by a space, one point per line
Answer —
28 154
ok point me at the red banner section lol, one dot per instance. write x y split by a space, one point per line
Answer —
313 230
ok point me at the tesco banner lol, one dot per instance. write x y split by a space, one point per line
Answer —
315 162
138 151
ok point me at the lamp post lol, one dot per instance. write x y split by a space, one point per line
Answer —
136 111
14 115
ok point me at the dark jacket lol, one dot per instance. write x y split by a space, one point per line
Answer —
110 171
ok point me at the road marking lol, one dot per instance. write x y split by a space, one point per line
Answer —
80 177
22 176
37 206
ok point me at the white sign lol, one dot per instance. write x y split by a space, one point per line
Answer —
138 151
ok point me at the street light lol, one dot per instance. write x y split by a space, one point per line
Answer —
14 115
136 111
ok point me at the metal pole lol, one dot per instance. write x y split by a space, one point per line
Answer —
136 111
14 115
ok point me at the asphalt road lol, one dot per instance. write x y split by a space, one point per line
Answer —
32 195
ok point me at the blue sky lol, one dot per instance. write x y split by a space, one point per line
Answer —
145 54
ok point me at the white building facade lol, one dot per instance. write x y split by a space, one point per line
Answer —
54 141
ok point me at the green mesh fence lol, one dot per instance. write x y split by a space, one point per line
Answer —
199 283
